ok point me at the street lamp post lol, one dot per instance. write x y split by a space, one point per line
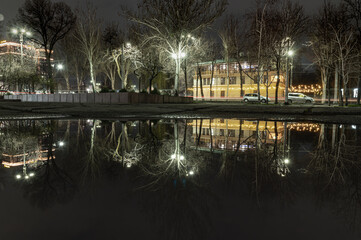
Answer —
290 53
21 33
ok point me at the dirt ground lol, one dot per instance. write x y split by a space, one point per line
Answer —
317 113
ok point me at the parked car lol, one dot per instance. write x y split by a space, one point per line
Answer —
253 97
299 98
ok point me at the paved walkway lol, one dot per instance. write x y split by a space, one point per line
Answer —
18 110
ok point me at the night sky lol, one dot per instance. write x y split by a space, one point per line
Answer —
108 9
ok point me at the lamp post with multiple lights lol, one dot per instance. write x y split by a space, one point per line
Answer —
21 33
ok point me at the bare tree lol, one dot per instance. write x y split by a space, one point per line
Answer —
112 40
167 23
285 23
88 34
50 23
323 47
228 35
354 9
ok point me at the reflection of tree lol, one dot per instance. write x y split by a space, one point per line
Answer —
51 183
258 169
173 194
126 150
336 165
93 154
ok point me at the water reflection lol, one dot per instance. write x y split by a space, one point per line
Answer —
179 171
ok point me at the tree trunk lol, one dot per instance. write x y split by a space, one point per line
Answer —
329 92
278 80
197 84
340 92
267 86
335 97
92 76
49 70
211 83
201 82
185 77
228 78
346 92
359 90
324 84
67 83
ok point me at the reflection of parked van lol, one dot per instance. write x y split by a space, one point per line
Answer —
299 98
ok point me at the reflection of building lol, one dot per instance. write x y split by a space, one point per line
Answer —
221 85
18 159
305 127
28 155
227 134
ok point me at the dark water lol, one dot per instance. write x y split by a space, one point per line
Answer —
179 179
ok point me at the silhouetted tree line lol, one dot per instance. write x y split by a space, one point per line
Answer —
167 39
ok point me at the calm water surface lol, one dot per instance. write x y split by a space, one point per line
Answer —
179 179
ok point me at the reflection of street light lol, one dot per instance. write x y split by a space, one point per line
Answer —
24 175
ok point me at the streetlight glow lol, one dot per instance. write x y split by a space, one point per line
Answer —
31 174
61 144
174 56
182 54
291 53
173 156
60 66
181 157
18 176
14 31
287 161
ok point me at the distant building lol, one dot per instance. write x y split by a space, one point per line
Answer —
222 88
30 54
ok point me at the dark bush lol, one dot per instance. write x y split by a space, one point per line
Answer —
155 91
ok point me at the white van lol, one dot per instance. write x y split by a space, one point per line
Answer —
299 98
253 97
